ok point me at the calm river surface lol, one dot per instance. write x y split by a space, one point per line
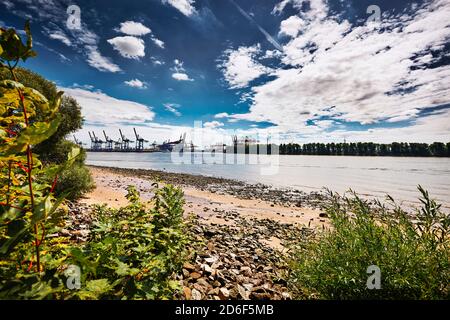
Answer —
371 176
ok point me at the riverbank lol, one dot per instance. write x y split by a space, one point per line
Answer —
242 229
206 196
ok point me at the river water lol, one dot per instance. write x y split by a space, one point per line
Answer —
369 176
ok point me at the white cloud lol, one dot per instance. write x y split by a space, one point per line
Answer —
240 66
367 72
61 36
83 40
179 71
221 115
83 86
318 9
136 83
186 7
8 4
157 62
172 107
181 76
96 60
128 46
213 124
178 65
291 26
133 28
100 109
158 42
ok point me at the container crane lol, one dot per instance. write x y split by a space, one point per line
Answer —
109 141
139 141
125 141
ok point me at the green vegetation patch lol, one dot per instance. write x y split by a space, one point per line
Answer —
411 251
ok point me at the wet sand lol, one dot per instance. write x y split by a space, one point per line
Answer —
111 190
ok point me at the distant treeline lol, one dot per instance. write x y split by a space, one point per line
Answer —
398 149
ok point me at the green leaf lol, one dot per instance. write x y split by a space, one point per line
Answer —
124 270
39 290
94 289
57 102
9 244
32 135
13 47
41 210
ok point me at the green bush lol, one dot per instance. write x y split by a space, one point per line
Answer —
73 182
77 179
135 251
54 150
411 252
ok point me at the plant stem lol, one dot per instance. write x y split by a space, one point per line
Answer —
9 181
30 169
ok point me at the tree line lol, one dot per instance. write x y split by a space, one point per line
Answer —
398 149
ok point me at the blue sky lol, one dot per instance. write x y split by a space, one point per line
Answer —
311 70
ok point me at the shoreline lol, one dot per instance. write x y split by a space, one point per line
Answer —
205 196
241 189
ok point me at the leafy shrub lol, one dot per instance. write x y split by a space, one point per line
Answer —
54 150
411 252
135 251
32 80
69 110
77 179
28 208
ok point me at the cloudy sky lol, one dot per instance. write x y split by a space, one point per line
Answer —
309 70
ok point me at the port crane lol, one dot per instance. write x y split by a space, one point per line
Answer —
125 141
79 143
99 142
139 141
96 143
109 141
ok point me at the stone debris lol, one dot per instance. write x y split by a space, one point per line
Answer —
233 262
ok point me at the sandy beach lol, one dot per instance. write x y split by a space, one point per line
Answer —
111 189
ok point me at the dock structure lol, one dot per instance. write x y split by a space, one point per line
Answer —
125 146
139 141
243 145
170 145
109 142
96 143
